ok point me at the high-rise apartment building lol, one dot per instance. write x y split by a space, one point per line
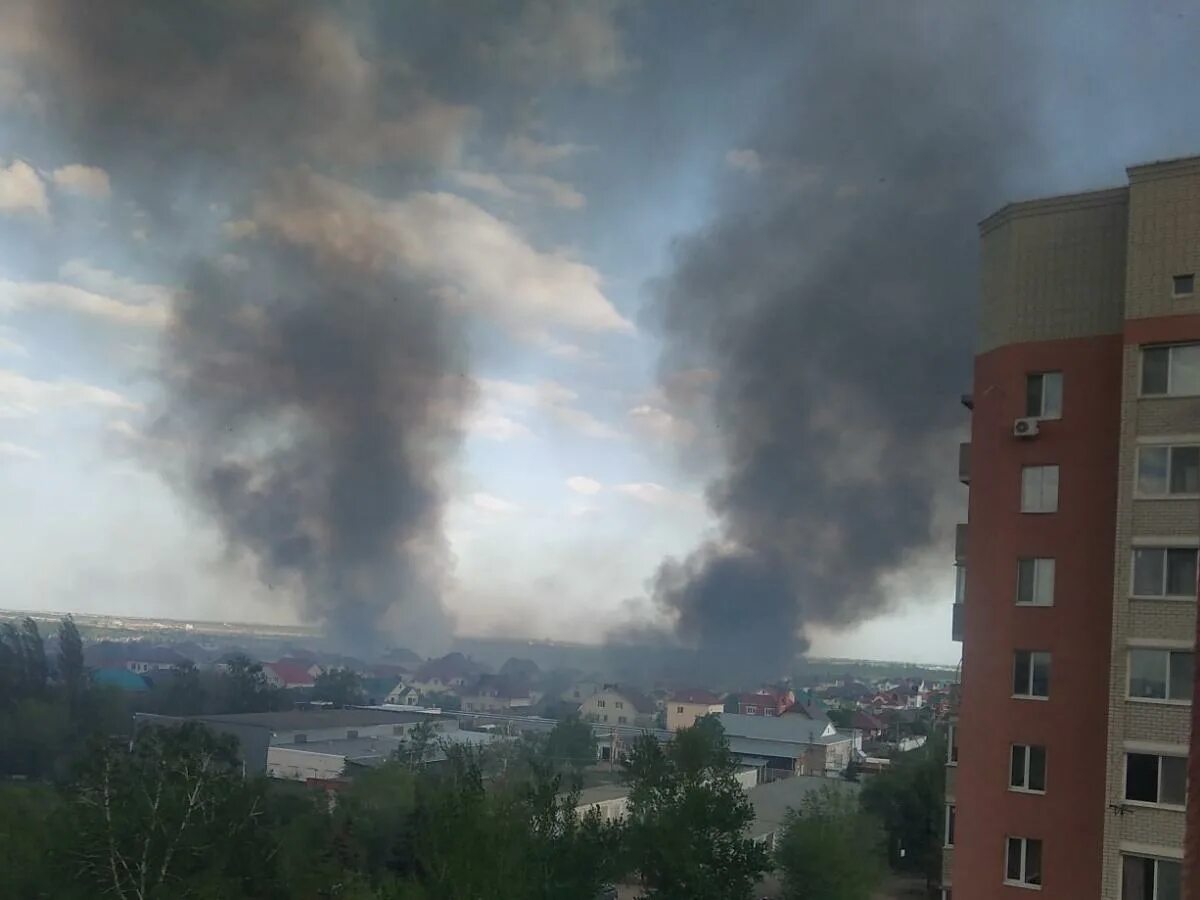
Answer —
1077 588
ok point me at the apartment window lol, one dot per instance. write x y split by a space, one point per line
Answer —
1160 674
1150 778
601 704
1024 861
1164 572
604 718
949 832
1168 471
952 744
1171 371
1183 285
1035 582
1039 489
752 710
679 709
619 704
960 584
1043 395
621 720
1027 769
1147 878
1031 673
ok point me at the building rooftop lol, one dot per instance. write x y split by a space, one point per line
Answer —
298 720
796 729
773 800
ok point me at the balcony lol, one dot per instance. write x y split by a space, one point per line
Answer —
960 543
956 622
964 462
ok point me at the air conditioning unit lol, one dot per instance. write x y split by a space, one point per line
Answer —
1026 427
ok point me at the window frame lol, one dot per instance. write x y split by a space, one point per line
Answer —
1190 292
1041 415
1041 468
951 744
1038 564
1141 494
1170 348
1022 880
1027 769
1151 859
948 821
1033 654
1158 781
1165 549
1166 699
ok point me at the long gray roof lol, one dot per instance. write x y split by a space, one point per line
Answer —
792 728
298 720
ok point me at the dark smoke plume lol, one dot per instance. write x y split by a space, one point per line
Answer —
313 387
833 302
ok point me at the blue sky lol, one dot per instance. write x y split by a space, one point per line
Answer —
538 166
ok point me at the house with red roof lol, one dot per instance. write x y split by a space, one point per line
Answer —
289 675
766 702
685 707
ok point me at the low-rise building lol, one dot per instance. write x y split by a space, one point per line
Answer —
288 675
800 744
617 704
685 707
766 702
496 694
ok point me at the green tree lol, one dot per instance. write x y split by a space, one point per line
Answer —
341 687
184 693
908 798
169 816
572 743
418 746
72 671
687 817
23 668
245 687
830 849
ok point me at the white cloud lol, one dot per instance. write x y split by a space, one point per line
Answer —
526 188
10 345
552 399
482 263
493 504
90 181
18 295
21 397
654 494
9 450
105 281
22 191
534 154
747 161
660 424
581 484
497 427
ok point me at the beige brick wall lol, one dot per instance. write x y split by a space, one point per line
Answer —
1053 269
1164 239
1169 415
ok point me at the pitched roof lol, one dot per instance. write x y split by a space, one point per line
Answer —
639 701
866 722
708 698
290 673
501 686
790 729
452 665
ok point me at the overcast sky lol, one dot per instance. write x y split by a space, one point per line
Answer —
534 164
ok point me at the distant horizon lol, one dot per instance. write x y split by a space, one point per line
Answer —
316 632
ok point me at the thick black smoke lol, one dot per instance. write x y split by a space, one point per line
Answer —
832 298
313 387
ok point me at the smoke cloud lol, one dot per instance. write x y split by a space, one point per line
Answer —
831 298
313 385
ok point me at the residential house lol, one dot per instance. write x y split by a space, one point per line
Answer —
580 691
448 674
766 702
617 704
685 707
403 695
497 694
143 659
288 675
803 743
